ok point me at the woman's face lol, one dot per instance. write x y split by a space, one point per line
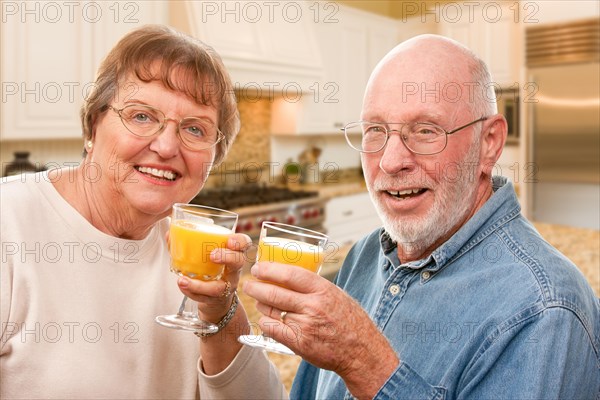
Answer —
147 174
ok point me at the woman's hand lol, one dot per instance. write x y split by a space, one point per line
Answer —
214 297
323 325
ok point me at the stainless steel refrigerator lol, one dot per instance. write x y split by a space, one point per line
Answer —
564 106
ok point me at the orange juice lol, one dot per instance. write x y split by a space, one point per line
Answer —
288 251
190 247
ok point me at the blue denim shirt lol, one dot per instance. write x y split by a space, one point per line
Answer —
494 313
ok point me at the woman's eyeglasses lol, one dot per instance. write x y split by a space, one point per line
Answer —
145 121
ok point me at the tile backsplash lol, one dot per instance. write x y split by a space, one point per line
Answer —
251 151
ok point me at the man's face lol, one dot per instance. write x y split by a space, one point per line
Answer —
421 198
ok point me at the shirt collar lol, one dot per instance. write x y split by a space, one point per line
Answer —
500 208
389 250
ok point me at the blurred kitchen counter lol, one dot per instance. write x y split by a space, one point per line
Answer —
582 246
334 184
330 190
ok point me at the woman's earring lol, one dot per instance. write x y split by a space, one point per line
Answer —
89 144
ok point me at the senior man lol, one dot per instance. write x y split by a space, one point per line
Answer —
457 296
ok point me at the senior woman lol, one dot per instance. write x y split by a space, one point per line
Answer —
84 261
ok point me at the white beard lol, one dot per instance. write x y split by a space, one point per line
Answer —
453 202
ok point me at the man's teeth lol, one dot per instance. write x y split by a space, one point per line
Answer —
159 173
407 192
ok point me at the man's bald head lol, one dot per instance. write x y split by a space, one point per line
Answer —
436 63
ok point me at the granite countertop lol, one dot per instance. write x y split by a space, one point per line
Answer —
329 191
340 183
582 246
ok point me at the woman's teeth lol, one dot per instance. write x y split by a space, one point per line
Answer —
403 194
158 173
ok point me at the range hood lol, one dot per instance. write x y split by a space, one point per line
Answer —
265 45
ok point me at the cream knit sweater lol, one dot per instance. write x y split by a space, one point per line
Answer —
77 306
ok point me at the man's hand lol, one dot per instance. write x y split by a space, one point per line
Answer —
323 325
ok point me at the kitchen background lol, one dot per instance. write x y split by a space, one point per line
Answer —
300 69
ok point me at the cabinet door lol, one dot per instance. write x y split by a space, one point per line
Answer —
500 47
383 37
122 17
337 99
353 70
49 55
236 39
43 87
495 39
349 218
320 108
263 44
350 47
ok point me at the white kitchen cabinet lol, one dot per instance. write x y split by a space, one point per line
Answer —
49 54
351 44
551 12
492 31
267 46
318 110
349 218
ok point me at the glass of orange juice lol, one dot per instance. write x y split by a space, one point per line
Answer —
195 231
292 245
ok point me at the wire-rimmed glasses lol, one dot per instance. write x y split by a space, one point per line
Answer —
419 137
145 121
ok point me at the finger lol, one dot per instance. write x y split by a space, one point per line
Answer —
274 296
268 310
289 335
274 313
237 253
213 299
292 277
239 242
271 317
197 289
233 260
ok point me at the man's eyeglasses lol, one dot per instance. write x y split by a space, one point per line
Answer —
145 121
418 137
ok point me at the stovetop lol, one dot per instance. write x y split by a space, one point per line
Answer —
249 195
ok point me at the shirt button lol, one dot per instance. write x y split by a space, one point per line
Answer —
394 289
426 275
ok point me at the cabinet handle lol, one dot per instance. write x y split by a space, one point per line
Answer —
338 125
347 213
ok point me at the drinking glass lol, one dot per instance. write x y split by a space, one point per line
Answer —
194 232
292 245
